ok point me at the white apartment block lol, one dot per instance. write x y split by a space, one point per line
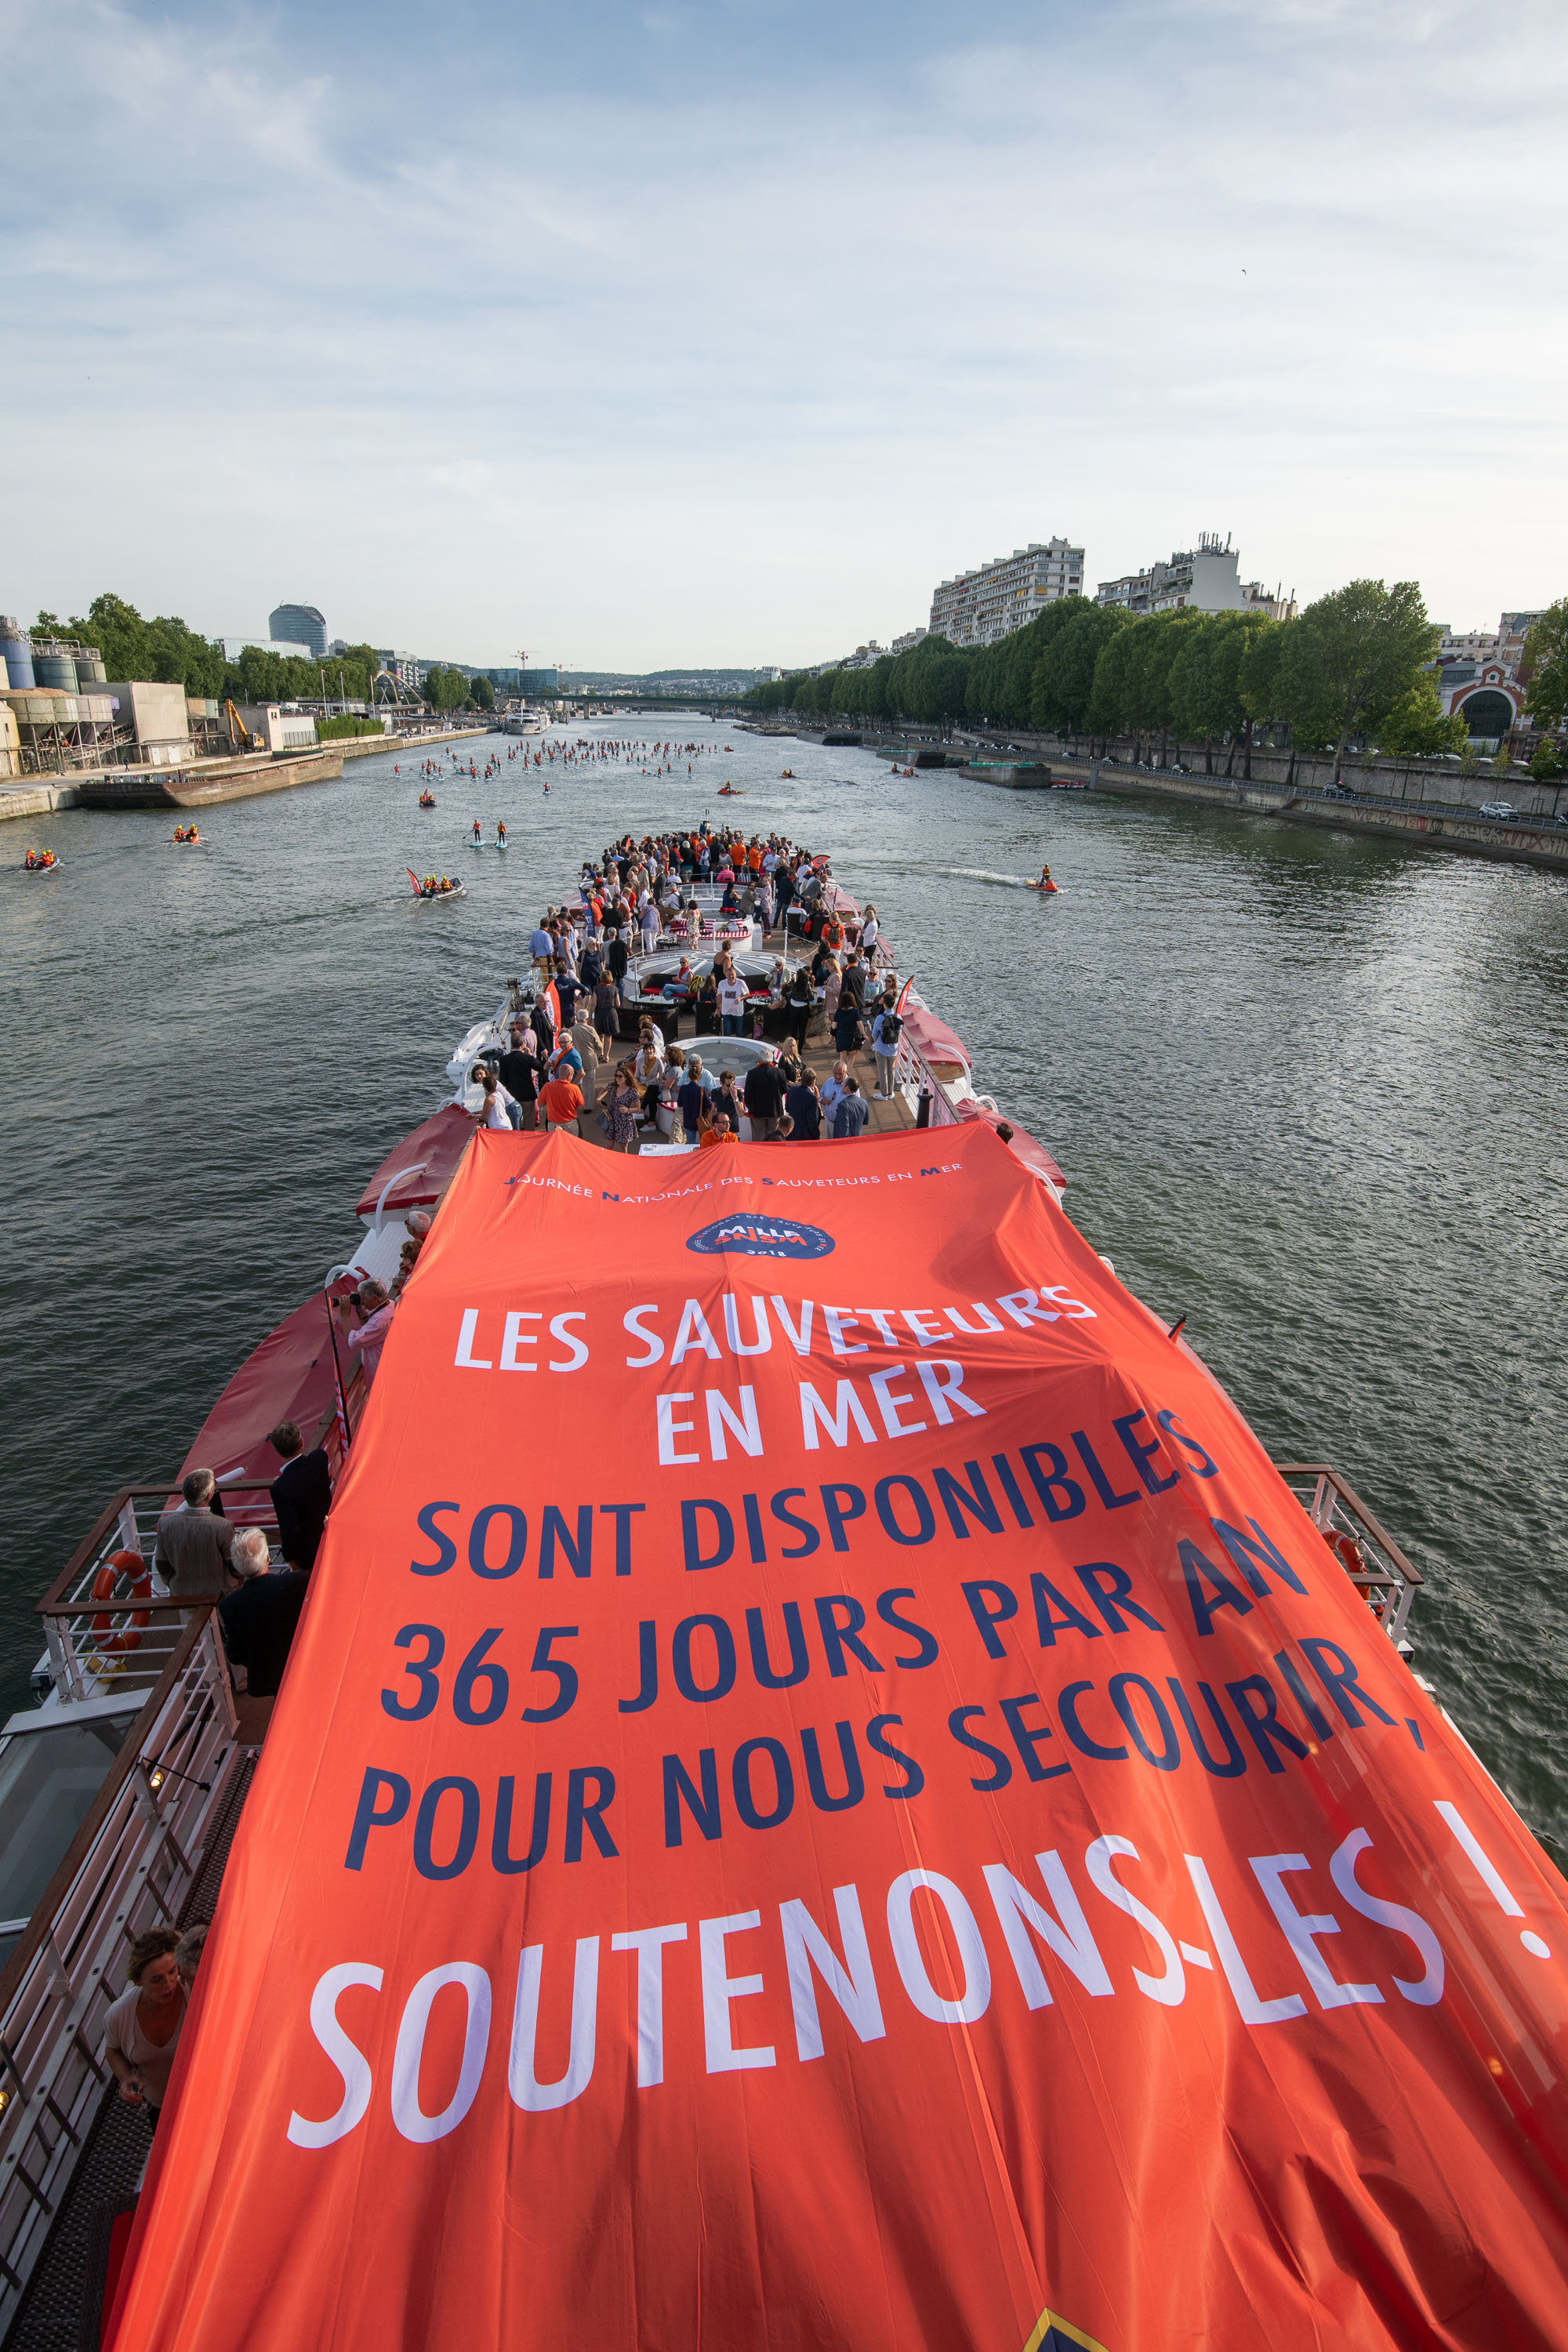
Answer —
982 607
1206 578
1467 646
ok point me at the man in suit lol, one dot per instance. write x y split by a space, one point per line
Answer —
302 1493
259 1620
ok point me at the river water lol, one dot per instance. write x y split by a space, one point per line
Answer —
1307 1090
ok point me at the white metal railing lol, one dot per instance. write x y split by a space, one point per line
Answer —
913 1077
109 1626
1374 1563
132 1866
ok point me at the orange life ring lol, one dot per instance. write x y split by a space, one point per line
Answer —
134 1570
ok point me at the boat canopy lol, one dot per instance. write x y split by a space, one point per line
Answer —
439 1142
828 1793
289 1377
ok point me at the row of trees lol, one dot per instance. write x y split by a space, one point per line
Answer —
167 649
1354 667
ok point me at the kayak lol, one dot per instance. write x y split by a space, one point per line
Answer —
729 793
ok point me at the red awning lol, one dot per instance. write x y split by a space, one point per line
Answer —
440 1142
1022 1144
932 1037
288 1377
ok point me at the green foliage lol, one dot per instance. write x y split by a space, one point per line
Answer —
1062 687
1501 761
332 731
481 693
1350 657
1351 664
1132 690
444 689
1547 760
163 649
1546 665
1258 676
1418 728
1206 696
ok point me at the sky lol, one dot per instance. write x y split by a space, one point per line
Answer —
720 332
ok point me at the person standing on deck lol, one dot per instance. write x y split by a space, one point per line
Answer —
852 1112
259 1620
886 1030
141 2031
800 1000
647 1068
802 1103
301 1496
194 1541
764 1095
373 1306
731 1004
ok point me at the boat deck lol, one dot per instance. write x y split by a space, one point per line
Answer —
884 1116
66 2288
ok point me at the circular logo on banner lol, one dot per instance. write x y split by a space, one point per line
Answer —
744 1236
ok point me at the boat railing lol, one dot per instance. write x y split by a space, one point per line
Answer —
131 1865
104 1635
914 1077
1373 1560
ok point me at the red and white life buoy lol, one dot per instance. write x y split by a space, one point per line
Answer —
130 1567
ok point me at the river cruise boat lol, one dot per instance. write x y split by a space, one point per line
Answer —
827 1793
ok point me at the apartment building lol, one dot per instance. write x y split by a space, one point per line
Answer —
981 606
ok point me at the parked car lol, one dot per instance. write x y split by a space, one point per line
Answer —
1498 808
1332 791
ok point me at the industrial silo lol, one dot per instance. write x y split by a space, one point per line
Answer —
16 651
54 666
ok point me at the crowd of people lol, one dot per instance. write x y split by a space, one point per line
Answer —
562 1060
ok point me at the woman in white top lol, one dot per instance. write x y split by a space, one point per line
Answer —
648 1069
870 930
496 1105
143 2029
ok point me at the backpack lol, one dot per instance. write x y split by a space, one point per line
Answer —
892 1028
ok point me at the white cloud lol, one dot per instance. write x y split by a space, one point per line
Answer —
740 376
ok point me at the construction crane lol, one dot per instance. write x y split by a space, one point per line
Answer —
239 735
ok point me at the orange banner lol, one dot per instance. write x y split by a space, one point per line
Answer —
827 1794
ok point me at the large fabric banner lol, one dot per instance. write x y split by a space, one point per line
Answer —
829 1795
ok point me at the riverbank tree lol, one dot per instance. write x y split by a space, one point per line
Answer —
1546 665
1355 664
164 650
